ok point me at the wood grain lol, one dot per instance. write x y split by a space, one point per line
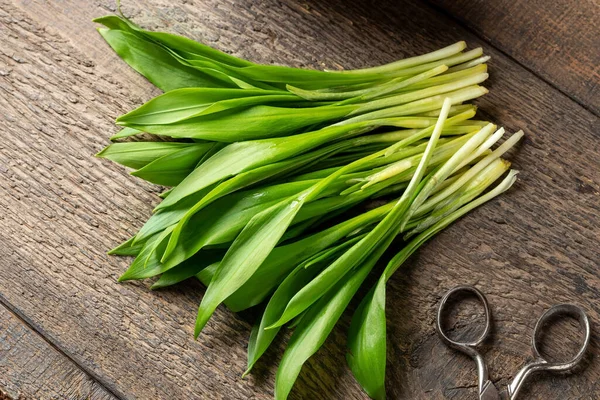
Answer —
62 88
30 368
559 40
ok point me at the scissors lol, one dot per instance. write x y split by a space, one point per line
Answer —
487 390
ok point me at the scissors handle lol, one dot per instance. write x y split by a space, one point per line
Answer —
468 348
540 363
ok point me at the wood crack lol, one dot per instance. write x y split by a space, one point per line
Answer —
37 331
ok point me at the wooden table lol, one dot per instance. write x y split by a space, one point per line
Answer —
68 330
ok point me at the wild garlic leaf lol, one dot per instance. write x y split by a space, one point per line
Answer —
171 169
260 341
189 268
181 44
245 255
243 156
256 122
185 103
190 53
283 258
146 263
156 63
314 327
139 154
123 133
127 248
366 355
225 218
162 219
213 67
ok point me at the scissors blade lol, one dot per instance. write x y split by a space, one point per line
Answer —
489 392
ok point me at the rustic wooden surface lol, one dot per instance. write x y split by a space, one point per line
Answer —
28 361
61 88
557 39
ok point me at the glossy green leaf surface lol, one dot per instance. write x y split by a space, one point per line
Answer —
139 154
156 63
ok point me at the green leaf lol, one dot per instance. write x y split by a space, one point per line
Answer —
167 217
183 44
147 261
185 103
244 156
260 339
156 63
123 133
127 248
245 255
314 327
212 66
224 219
256 122
367 342
171 169
139 154
189 268
283 258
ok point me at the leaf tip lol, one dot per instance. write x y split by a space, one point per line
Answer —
247 371
201 320
100 154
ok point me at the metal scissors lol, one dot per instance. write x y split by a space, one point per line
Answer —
487 390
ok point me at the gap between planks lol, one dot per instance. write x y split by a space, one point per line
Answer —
46 338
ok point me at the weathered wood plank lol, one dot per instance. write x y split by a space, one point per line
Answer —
61 88
559 40
30 368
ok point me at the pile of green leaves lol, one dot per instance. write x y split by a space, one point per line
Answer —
270 168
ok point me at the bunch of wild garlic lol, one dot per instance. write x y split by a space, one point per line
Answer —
268 166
